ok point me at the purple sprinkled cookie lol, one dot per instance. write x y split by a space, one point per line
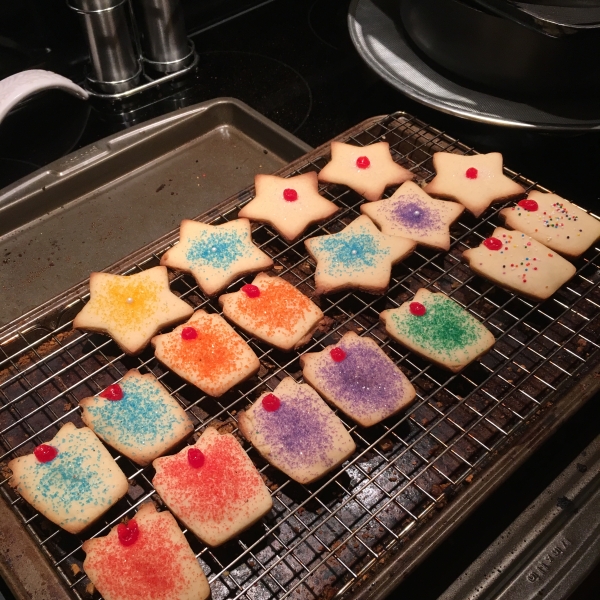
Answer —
296 432
358 377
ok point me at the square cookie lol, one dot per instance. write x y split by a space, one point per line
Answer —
358 377
296 432
137 417
213 487
147 558
72 480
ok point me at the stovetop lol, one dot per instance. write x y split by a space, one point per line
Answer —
294 63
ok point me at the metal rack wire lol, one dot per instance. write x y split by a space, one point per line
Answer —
325 539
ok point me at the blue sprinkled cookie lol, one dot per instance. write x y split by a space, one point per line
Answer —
137 417
360 257
216 254
72 480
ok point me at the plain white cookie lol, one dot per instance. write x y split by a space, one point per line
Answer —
475 181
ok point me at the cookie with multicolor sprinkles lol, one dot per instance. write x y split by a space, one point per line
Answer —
72 480
475 181
519 263
413 214
207 352
359 378
212 487
555 222
148 557
358 257
216 254
131 308
368 170
274 311
438 329
296 432
288 204
137 417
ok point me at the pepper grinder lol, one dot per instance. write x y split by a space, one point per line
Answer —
165 46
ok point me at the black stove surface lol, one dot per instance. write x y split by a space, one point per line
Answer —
294 62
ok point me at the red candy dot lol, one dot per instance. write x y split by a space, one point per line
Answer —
113 392
45 453
251 290
128 534
189 333
271 402
363 162
417 309
195 458
492 243
529 205
290 195
338 354
471 173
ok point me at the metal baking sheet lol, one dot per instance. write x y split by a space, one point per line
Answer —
413 477
87 210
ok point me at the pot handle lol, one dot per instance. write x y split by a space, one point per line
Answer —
17 87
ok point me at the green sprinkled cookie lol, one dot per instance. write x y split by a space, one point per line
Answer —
438 329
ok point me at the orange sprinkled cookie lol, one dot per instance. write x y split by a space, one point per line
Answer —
208 353
212 487
148 557
131 308
274 311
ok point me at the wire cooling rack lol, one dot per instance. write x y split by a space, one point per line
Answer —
322 540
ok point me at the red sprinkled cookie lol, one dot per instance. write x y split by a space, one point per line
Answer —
216 497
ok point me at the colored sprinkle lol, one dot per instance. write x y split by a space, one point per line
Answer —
189 333
417 309
271 403
471 173
411 212
195 458
363 162
337 354
218 249
492 243
290 194
45 453
128 534
252 291
113 392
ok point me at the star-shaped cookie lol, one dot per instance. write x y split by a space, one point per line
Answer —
216 254
474 181
289 205
411 213
368 170
131 308
360 256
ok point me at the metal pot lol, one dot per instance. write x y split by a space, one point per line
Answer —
501 53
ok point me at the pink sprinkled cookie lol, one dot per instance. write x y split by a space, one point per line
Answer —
359 378
368 170
212 487
274 311
148 557
296 432
555 222
519 263
289 205
412 214
475 181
